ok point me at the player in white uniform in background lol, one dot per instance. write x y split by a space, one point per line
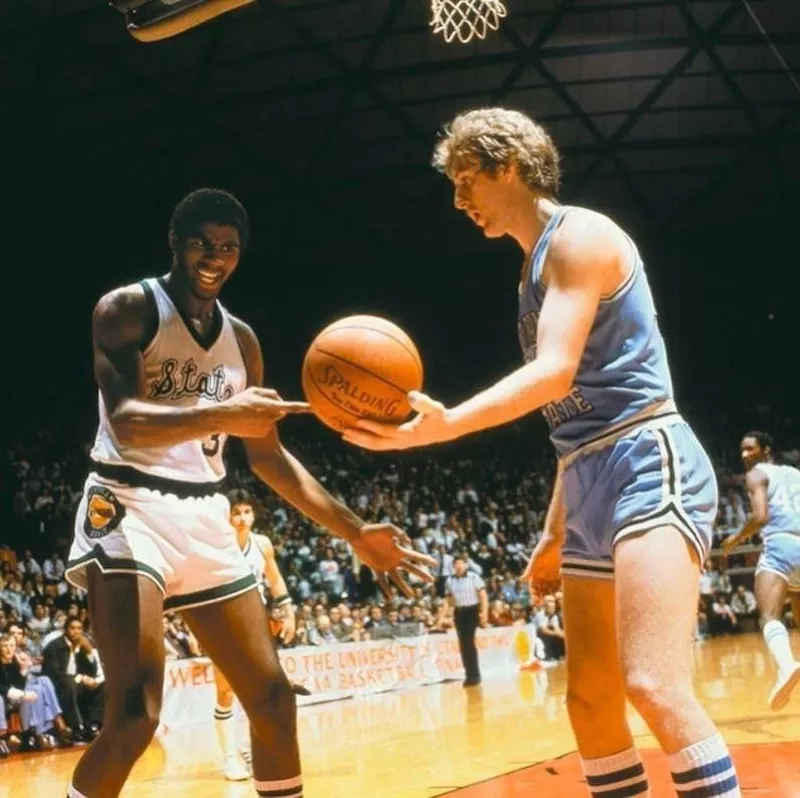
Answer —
176 375
260 556
774 492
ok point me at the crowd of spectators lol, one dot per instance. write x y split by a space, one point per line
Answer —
486 499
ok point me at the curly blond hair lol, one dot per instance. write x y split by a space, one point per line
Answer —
492 138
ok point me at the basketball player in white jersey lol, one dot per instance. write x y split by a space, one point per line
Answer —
177 374
260 556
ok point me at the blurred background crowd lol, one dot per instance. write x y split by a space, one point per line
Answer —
485 498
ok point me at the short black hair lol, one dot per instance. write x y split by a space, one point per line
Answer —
241 496
462 557
763 439
209 205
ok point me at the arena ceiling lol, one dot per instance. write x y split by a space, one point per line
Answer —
322 114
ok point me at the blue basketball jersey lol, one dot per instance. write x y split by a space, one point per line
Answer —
624 367
783 499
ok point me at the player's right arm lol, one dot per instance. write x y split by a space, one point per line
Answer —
544 568
120 325
757 483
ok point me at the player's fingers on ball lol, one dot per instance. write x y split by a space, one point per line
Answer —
423 403
373 427
296 407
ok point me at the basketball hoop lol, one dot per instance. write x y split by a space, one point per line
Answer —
466 19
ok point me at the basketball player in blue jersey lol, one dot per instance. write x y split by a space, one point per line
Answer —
176 375
635 496
774 492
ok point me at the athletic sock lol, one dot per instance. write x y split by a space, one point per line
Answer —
282 788
777 639
223 720
617 776
705 770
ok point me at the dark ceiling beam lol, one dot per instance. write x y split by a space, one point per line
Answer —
732 10
96 159
744 104
528 53
774 137
430 99
364 80
580 114
247 157
351 88
214 36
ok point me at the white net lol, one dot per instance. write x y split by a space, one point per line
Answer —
466 19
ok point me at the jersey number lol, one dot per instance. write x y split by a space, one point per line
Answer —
211 446
788 498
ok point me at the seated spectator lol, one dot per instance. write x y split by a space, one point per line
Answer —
32 696
41 623
743 604
322 635
722 620
72 663
53 568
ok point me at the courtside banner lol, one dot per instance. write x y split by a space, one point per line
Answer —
347 670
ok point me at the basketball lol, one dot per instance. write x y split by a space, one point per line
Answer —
361 367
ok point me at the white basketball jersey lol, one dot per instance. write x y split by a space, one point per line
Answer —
254 557
180 372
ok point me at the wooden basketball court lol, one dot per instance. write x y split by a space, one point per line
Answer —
508 738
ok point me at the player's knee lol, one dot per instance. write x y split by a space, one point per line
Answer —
652 693
273 709
134 722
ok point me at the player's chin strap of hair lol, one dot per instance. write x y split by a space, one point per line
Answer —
153 20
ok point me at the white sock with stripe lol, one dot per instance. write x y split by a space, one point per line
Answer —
223 720
281 788
777 639
617 776
705 770
73 793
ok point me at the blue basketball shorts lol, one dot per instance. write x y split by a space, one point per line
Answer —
781 556
654 476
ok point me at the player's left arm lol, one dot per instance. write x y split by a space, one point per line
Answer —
584 262
757 482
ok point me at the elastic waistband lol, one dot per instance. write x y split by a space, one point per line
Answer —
133 478
655 416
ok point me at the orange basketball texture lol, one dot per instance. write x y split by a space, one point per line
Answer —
361 367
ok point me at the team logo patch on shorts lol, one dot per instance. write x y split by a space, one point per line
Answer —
103 512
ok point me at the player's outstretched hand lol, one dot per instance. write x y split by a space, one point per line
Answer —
387 550
251 413
543 572
430 425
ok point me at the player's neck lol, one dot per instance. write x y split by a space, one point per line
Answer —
191 306
529 221
242 538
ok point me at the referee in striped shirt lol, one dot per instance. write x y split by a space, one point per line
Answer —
467 591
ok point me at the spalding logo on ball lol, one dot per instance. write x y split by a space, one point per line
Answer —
361 367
